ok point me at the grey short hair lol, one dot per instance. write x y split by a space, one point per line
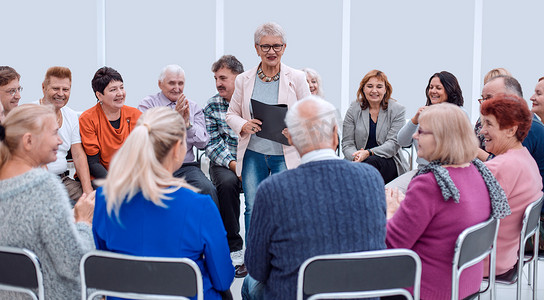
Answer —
176 69
230 62
511 84
311 127
270 29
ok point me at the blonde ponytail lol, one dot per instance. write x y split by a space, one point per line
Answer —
137 165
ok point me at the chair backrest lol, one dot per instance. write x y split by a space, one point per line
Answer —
20 271
530 223
127 276
360 275
473 245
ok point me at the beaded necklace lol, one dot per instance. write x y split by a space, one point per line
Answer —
265 78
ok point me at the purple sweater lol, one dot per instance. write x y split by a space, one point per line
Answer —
430 226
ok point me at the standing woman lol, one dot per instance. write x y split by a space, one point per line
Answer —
105 126
270 82
142 209
371 126
35 211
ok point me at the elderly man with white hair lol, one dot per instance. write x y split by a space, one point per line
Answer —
172 82
326 205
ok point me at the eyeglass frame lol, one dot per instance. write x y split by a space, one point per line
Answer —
481 100
423 132
14 91
271 47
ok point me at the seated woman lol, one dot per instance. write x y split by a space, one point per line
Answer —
105 126
35 211
178 221
506 120
371 126
314 81
442 87
451 193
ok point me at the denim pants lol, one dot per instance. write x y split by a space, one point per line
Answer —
256 168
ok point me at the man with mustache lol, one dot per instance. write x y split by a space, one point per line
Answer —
221 151
172 83
56 89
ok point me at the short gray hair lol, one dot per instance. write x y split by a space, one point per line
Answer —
176 69
270 29
511 84
311 127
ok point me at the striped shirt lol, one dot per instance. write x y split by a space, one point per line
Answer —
221 148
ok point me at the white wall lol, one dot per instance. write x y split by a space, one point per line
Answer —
408 40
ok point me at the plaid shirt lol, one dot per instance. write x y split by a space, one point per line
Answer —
221 148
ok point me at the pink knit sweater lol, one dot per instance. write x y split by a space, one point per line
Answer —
430 226
517 173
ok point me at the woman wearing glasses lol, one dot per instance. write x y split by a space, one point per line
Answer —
270 82
451 193
371 126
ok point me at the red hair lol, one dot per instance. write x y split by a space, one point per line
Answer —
510 111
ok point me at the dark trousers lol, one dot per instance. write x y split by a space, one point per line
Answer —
386 167
193 175
228 190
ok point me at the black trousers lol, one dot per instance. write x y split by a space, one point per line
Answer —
194 176
228 188
386 167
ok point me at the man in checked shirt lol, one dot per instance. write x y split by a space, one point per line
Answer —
221 150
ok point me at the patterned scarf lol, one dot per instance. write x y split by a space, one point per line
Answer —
499 204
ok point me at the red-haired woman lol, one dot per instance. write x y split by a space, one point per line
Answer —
506 120
371 126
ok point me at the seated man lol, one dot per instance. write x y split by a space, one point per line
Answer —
10 90
56 92
221 151
327 205
171 83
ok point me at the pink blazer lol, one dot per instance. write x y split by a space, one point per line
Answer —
293 87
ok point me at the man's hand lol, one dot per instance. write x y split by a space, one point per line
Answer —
232 166
182 107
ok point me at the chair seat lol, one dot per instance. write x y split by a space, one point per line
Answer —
509 277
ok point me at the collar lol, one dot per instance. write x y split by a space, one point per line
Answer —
317 155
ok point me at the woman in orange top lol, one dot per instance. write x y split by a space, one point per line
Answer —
105 126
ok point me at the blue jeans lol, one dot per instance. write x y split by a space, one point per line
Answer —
252 289
256 168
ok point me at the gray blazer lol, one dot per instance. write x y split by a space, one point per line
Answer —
390 121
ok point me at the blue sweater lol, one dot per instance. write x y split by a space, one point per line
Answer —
321 207
189 227
534 142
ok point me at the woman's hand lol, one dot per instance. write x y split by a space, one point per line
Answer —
393 198
252 126
360 155
415 119
84 208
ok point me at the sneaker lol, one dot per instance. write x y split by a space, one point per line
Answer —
237 257
240 271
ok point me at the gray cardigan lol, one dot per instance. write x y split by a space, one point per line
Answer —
390 121
35 214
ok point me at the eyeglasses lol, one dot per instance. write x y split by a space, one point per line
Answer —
481 100
275 47
12 92
422 132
